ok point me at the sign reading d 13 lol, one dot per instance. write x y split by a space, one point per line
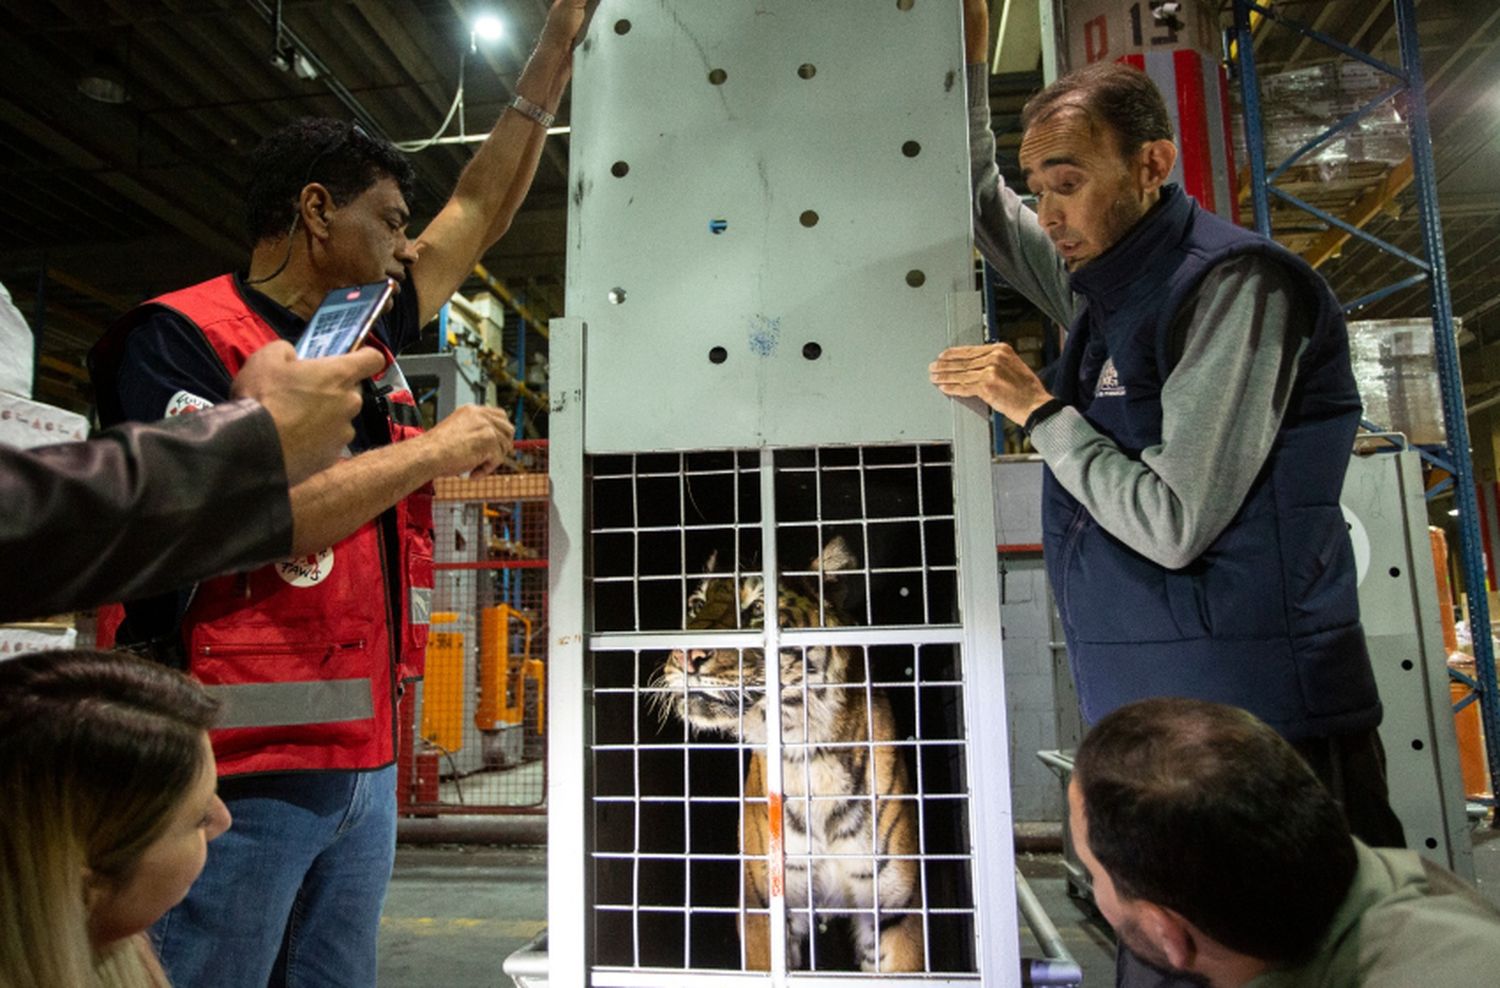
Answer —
1100 30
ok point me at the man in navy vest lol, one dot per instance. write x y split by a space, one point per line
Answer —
1195 434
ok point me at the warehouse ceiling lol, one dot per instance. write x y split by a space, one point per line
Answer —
118 202
115 202
1460 43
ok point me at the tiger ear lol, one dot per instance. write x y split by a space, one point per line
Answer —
834 557
713 559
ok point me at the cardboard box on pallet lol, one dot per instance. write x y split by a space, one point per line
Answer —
36 636
17 349
1395 368
25 423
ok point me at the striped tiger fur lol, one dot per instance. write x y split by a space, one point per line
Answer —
828 726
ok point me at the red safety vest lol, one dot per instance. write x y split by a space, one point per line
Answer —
301 651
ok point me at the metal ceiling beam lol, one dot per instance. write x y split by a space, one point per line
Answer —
1256 19
1474 279
355 52
1376 12
86 328
1371 266
90 290
104 142
429 91
207 61
409 41
1377 197
535 320
1326 14
1370 260
332 80
325 74
1493 302
1018 36
63 367
113 175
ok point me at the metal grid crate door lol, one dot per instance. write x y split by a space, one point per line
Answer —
776 702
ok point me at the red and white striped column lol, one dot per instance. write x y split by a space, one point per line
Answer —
1196 90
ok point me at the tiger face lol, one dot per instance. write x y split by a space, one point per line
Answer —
722 690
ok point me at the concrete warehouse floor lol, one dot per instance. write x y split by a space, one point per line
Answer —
455 912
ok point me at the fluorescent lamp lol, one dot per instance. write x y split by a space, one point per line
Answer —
488 27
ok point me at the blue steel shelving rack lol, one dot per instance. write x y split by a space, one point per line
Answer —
1407 78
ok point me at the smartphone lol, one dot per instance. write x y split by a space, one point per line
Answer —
344 319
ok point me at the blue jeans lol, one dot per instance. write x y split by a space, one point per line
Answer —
292 893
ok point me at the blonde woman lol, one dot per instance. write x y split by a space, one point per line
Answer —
108 786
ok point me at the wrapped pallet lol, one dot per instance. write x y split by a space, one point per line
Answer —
1395 368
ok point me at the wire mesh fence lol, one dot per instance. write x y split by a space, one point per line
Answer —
474 729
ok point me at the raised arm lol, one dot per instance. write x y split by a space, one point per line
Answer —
496 180
1005 229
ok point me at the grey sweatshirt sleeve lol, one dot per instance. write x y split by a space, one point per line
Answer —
1005 230
1243 334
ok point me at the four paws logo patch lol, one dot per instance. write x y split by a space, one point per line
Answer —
306 571
184 402
1109 382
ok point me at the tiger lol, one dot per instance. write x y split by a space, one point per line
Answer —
823 837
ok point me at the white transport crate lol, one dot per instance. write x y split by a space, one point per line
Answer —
768 243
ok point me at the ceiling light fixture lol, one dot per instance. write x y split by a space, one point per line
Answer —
104 83
486 27
288 59
285 54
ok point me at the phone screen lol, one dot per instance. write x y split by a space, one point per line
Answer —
343 319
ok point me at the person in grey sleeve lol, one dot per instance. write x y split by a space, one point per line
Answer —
1196 431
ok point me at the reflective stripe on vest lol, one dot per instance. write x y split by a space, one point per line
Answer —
283 704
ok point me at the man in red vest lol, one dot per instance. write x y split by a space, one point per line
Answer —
309 655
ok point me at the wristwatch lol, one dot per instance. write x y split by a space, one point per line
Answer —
1042 413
